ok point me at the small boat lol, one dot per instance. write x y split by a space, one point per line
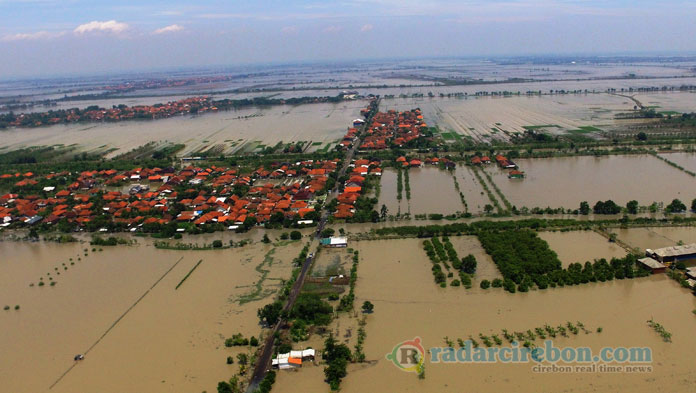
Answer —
79 356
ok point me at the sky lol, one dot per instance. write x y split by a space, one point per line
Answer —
72 37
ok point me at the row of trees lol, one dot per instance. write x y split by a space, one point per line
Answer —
610 207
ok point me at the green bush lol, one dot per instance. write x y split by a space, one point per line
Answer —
295 235
485 284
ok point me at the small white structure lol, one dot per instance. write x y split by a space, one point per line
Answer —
334 242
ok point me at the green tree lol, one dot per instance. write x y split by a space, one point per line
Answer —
584 208
368 307
693 205
469 264
485 284
632 207
295 235
270 313
488 208
337 356
265 238
642 136
676 206
383 212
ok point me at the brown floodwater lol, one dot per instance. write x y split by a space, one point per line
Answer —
171 340
407 305
233 131
683 159
432 191
656 237
567 181
475 196
581 246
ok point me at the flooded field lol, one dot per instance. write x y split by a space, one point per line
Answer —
405 308
432 191
485 269
474 195
494 118
567 181
244 130
331 262
486 118
656 237
685 160
170 340
581 246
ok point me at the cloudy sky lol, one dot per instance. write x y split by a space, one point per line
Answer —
54 37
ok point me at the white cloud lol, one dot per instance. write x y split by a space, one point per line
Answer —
365 28
169 29
333 29
39 35
110 26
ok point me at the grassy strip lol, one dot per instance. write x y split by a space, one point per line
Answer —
563 224
500 193
461 194
378 186
399 184
256 293
187 275
407 185
675 165
347 300
491 197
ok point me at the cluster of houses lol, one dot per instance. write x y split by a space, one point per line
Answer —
353 187
121 112
392 128
502 162
404 162
164 195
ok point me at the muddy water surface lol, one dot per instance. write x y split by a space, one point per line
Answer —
432 191
171 340
656 237
406 306
581 246
567 181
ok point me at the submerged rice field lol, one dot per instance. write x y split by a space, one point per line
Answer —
567 181
225 132
121 308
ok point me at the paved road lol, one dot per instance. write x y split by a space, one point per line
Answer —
263 363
